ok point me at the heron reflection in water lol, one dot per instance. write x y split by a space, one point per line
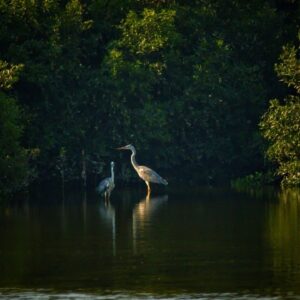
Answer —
147 206
107 185
145 173
108 214
142 213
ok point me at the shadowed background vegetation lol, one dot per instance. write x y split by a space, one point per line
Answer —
186 82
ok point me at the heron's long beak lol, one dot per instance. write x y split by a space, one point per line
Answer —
121 148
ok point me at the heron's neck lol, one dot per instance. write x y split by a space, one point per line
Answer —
112 174
133 161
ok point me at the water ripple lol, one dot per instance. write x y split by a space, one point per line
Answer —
11 294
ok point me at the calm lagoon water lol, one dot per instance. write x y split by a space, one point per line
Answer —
208 243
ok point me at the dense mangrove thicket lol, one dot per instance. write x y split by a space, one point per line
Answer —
281 123
186 82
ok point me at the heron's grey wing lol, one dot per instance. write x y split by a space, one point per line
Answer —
103 185
150 175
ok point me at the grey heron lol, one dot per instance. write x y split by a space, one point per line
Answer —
145 173
106 186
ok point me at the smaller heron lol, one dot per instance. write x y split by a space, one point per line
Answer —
147 174
106 186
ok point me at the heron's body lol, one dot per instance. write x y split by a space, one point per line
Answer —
150 175
107 185
145 173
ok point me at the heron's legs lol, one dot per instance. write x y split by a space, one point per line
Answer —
106 196
148 188
147 197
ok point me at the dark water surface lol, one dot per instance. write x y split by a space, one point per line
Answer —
206 244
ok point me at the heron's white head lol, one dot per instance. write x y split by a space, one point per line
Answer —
112 164
127 147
